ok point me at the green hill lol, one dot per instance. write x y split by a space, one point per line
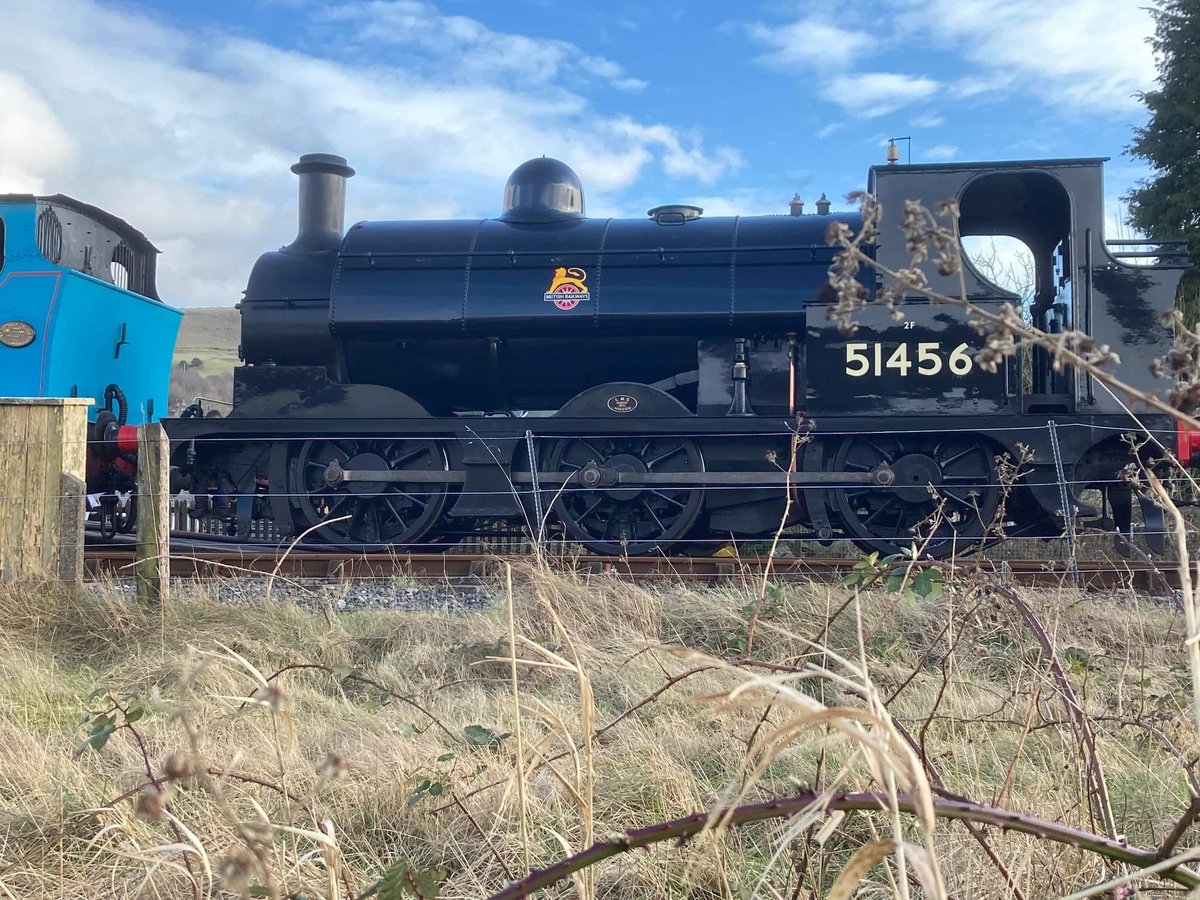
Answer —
211 335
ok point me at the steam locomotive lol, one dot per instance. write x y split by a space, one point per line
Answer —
638 385
80 317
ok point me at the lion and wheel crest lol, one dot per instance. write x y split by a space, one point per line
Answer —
568 288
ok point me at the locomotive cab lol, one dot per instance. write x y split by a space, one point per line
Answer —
1080 280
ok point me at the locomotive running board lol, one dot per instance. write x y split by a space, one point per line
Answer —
601 478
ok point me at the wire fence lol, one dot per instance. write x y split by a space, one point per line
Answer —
228 514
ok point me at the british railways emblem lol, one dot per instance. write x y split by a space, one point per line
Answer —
568 288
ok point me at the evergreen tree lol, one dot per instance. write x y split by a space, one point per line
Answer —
1168 205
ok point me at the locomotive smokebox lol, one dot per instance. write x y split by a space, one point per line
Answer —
322 202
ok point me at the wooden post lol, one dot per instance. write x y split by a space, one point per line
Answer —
153 568
43 454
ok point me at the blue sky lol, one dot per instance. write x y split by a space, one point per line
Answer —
182 117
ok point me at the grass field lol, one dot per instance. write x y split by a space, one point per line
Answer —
210 334
303 752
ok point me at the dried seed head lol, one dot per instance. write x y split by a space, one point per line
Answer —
150 804
331 767
272 696
178 767
256 831
236 869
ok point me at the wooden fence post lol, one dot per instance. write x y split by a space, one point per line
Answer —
43 454
153 567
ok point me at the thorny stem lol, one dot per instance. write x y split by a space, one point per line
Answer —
1075 713
486 840
367 680
784 807
1189 589
187 862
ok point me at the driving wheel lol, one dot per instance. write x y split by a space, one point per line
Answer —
625 519
374 513
944 497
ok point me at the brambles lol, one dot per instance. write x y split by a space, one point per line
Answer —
329 800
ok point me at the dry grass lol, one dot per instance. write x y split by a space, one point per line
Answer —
962 674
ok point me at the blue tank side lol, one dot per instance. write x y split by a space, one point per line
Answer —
29 291
105 335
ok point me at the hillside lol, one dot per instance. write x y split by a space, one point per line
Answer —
208 336
211 335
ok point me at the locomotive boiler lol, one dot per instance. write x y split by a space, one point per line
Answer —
634 385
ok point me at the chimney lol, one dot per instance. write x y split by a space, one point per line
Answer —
823 205
322 202
796 207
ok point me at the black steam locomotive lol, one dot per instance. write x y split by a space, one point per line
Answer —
634 385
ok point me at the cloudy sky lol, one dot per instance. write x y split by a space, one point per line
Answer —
183 117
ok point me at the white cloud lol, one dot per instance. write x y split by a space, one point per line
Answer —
32 140
811 42
874 94
189 135
940 153
477 50
1084 55
927 120
829 130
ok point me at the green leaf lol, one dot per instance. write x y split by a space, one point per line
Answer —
404 729
435 789
401 882
928 583
483 736
341 673
134 712
259 891
1077 660
100 738
445 757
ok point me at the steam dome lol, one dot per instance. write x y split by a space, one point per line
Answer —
543 190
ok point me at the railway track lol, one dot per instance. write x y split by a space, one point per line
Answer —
217 562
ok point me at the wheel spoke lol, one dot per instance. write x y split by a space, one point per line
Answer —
888 503
587 512
400 462
947 463
600 457
669 499
664 456
650 509
414 499
883 454
395 512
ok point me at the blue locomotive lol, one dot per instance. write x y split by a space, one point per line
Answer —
80 317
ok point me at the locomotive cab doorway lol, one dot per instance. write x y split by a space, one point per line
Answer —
1034 209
